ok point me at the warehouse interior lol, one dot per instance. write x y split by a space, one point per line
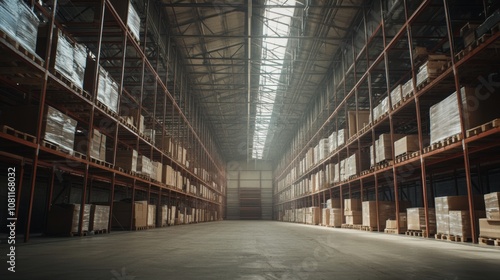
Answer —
250 139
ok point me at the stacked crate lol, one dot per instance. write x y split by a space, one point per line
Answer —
357 120
352 211
162 216
59 129
386 210
151 215
408 144
452 214
381 108
122 214
70 59
312 215
98 146
445 118
396 95
431 68
489 227
416 220
64 219
325 217
335 217
99 218
127 160
20 23
392 227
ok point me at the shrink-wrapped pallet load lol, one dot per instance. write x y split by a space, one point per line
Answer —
386 210
99 217
335 217
64 219
416 219
492 203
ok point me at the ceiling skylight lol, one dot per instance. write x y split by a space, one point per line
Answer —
276 24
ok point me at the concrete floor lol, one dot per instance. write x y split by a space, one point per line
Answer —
250 250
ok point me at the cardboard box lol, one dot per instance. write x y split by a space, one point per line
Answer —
357 121
420 53
151 215
407 88
64 219
416 219
126 159
99 217
489 229
335 217
386 210
325 216
383 150
406 145
492 204
396 95
354 219
313 215
122 214
352 204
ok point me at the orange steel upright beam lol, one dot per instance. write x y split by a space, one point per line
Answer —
40 120
470 193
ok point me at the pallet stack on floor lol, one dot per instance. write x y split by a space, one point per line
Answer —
416 222
489 227
453 217
352 213
391 226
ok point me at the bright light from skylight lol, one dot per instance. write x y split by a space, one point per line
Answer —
276 24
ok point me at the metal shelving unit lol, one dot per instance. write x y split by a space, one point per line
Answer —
151 83
377 58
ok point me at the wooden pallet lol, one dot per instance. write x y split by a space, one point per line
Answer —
14 43
18 134
489 241
419 233
79 155
407 156
457 238
101 162
395 106
443 143
384 164
483 128
347 226
358 227
56 147
70 84
425 83
391 231
365 172
85 233
106 109
367 228
140 228
100 231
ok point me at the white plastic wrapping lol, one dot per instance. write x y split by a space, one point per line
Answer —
107 92
19 22
381 108
444 119
60 129
396 95
416 219
27 27
341 137
133 21
144 165
9 12
99 217
71 59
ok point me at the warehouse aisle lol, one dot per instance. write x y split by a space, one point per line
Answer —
251 250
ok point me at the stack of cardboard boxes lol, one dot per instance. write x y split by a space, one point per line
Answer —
489 227
352 211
